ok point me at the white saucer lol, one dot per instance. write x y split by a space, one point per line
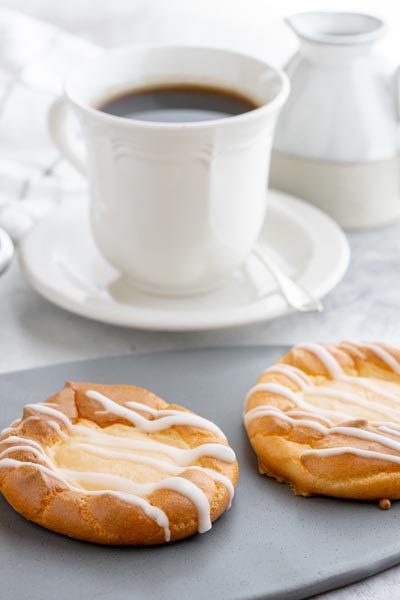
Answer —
63 264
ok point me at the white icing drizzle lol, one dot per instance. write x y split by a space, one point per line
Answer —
173 417
389 430
298 418
327 359
162 465
142 459
153 512
348 431
385 357
18 426
281 390
304 413
26 448
99 443
181 485
274 388
371 386
218 477
18 439
353 347
56 426
260 411
389 423
154 411
327 452
366 383
50 412
293 373
182 456
351 398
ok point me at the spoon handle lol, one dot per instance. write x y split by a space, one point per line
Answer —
295 295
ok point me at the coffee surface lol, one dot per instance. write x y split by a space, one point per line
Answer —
178 104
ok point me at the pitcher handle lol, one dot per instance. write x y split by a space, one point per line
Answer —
63 136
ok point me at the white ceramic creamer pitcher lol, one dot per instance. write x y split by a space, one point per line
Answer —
336 142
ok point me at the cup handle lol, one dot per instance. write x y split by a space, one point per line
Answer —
63 136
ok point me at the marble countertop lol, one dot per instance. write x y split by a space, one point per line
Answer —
365 305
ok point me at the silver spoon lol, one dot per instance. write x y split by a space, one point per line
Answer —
295 295
6 250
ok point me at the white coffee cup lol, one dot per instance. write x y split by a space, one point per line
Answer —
175 207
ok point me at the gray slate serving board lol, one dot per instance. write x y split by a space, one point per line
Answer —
271 544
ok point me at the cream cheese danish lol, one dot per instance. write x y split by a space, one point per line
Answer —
115 464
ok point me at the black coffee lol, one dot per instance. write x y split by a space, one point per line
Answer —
178 104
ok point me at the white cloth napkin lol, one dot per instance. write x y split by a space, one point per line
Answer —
35 57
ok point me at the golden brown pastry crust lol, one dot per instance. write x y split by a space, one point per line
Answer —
326 420
105 518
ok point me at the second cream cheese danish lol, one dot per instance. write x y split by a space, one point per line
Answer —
326 419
